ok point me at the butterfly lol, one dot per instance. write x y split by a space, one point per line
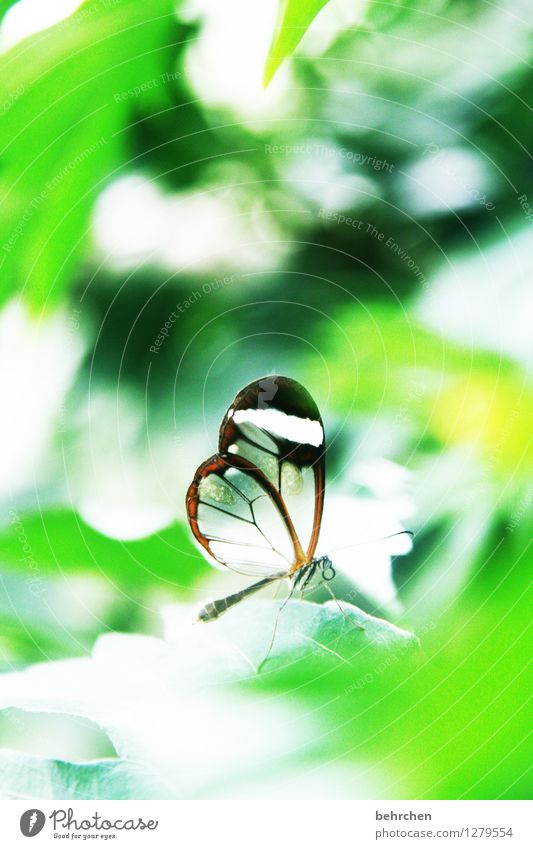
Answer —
256 506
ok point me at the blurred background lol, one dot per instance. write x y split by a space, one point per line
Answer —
171 230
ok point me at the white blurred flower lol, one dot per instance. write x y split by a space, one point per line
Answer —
486 312
120 485
136 222
38 360
324 174
363 533
445 179
28 17
226 68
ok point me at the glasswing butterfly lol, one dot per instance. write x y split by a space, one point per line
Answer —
256 506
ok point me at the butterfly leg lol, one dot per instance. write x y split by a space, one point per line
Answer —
352 623
278 614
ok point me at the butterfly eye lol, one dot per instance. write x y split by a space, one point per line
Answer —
328 572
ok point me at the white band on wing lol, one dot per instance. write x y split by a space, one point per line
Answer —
293 428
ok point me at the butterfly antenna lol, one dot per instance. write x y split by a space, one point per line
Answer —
271 646
370 541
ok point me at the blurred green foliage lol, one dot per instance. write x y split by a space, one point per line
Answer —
364 225
294 18
63 142
62 542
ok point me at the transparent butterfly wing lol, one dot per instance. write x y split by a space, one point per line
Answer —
235 519
256 506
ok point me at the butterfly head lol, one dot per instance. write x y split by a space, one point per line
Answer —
325 566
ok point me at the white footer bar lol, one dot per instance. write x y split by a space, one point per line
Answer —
267 825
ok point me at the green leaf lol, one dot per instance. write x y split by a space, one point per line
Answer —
309 638
294 19
59 541
5 6
62 133
150 697
25 777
